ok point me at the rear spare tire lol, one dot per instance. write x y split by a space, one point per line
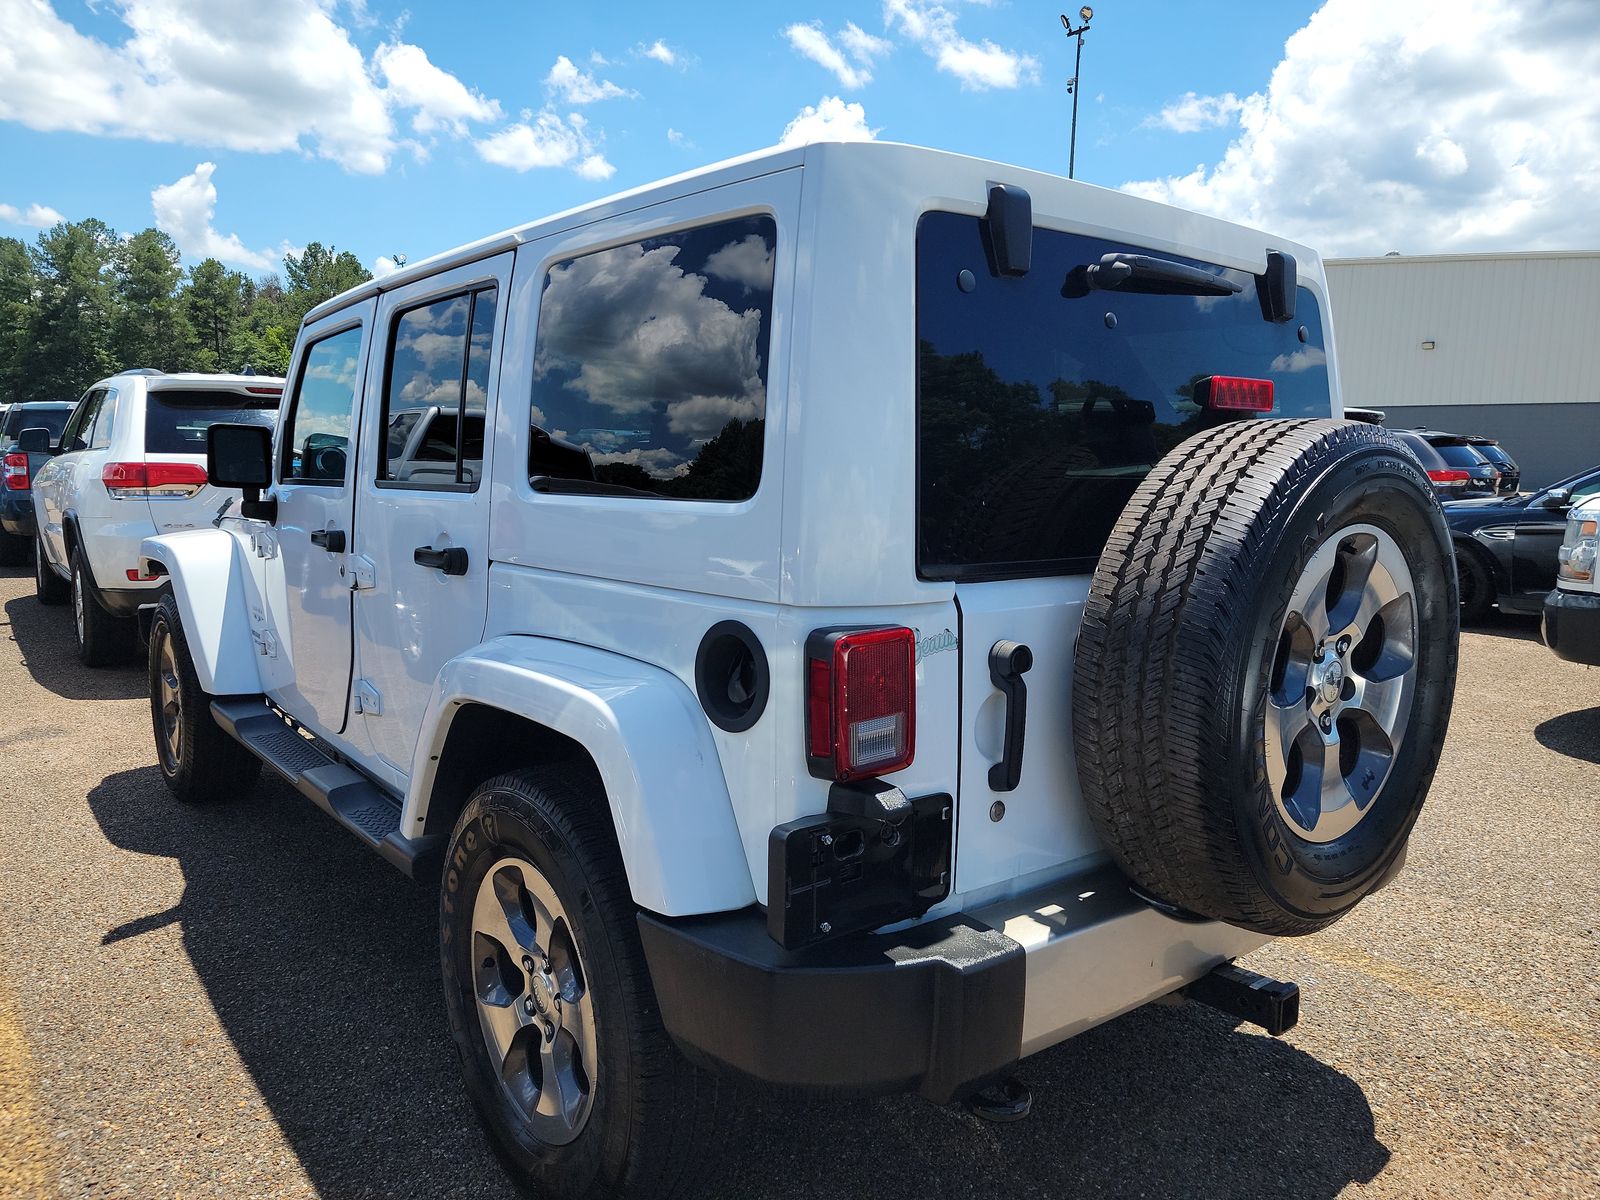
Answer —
1265 671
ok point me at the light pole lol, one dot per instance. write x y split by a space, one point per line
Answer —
1085 14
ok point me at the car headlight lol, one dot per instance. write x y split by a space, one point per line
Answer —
1576 558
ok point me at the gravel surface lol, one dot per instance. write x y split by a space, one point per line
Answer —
241 1002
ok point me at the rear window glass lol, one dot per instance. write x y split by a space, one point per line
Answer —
1459 455
1426 454
175 422
1039 413
53 419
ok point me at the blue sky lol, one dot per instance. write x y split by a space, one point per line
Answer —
383 128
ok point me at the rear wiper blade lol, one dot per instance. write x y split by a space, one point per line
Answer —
1145 275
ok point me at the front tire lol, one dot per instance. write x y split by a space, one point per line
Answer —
199 762
103 640
550 1001
1476 583
48 587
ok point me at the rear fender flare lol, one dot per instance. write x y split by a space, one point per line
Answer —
210 584
649 740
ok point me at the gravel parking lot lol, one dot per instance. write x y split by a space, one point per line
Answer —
243 1002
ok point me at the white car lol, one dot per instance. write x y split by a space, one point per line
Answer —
857 616
131 463
1572 611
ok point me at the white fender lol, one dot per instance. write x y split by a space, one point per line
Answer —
210 581
648 737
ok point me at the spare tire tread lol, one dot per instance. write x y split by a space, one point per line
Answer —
1175 560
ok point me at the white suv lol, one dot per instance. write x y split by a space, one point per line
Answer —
849 622
130 463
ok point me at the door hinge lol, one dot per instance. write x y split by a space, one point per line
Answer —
361 571
264 543
368 700
266 642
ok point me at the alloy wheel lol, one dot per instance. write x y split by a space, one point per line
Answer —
170 697
1342 683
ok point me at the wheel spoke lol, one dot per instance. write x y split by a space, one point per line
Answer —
1332 792
1385 701
563 1084
501 1025
498 914
1284 726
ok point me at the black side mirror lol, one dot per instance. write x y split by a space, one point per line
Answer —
240 456
1559 498
35 441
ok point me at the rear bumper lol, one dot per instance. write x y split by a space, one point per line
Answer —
939 1008
1572 626
16 512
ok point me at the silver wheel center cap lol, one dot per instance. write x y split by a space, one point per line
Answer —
543 990
1332 682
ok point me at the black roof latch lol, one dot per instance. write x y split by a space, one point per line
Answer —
1276 286
1010 225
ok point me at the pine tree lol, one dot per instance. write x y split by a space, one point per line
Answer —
69 334
150 327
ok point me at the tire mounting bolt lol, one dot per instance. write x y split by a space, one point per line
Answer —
1326 722
1344 644
825 927
528 1005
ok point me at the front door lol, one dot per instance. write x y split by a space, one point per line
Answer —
306 654
422 515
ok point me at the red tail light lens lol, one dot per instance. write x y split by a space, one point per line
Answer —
17 479
153 481
1232 393
861 702
1449 476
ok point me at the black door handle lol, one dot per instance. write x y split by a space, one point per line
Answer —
452 560
1008 663
331 540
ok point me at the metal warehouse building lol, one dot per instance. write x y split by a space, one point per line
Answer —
1506 345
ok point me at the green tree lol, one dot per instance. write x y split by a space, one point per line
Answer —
215 301
18 283
150 326
319 273
69 334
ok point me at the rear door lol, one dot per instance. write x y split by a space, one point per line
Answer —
1039 413
307 652
422 517
59 481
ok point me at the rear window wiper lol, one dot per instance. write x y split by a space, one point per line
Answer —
1145 275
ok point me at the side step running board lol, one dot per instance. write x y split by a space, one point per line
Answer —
1269 1003
345 794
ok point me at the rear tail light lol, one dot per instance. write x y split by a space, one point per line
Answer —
861 702
17 472
264 391
153 481
1233 393
1449 475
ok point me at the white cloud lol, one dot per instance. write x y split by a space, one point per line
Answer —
235 73
440 99
547 140
384 265
747 262
574 86
1421 141
978 65
830 120
35 216
677 137
1190 113
661 52
184 210
853 70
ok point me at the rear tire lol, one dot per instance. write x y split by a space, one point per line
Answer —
634 1117
1475 581
48 587
13 549
103 640
1265 672
200 763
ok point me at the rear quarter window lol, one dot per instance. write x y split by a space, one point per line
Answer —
1040 412
175 422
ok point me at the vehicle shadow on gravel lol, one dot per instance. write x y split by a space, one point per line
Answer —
1521 627
1575 734
321 963
44 636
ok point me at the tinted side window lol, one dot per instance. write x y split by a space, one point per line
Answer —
76 434
99 436
436 391
650 376
318 441
1042 406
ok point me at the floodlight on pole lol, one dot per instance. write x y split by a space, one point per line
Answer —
1085 14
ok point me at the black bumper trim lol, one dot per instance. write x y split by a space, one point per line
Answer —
1572 626
935 1009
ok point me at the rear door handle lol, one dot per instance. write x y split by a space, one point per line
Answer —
331 540
1008 663
452 560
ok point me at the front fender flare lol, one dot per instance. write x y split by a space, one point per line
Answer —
650 741
208 577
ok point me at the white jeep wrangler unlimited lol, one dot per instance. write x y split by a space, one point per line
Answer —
850 617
